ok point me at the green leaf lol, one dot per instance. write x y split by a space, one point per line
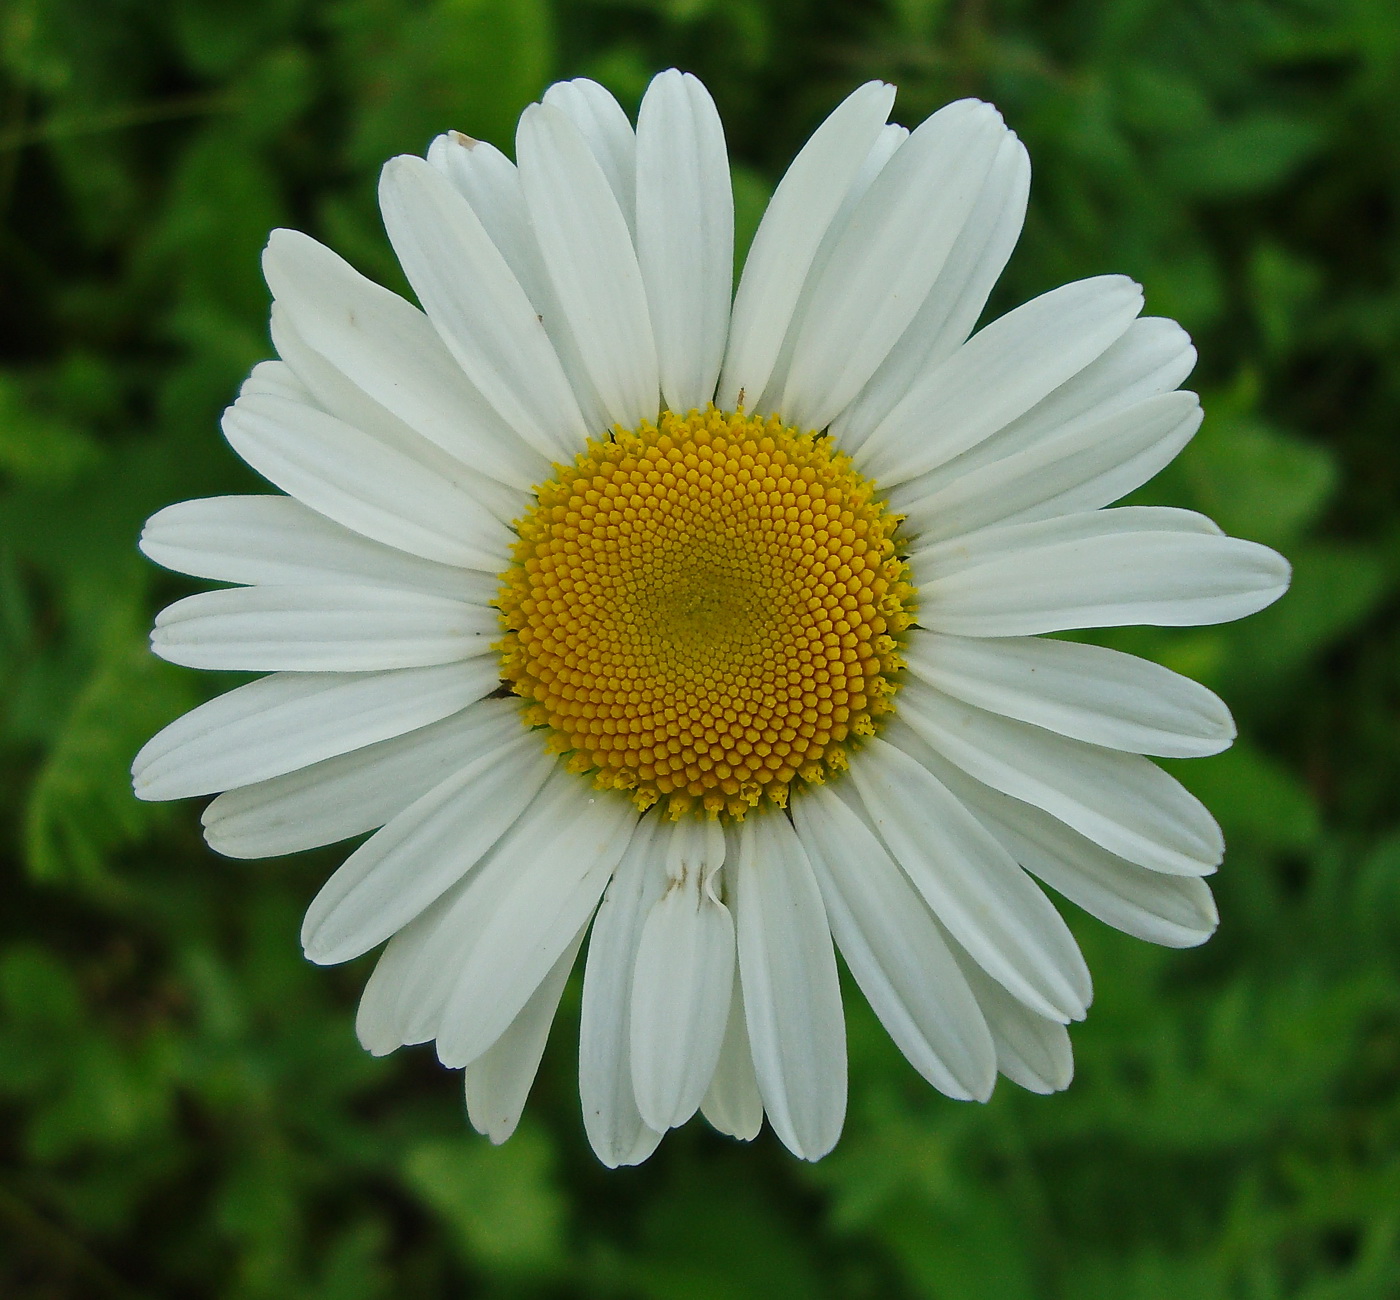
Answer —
1253 796
81 808
500 1202
36 447
1256 481
1283 287
472 65
1335 587
1255 152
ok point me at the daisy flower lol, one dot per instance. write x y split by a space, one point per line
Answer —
707 625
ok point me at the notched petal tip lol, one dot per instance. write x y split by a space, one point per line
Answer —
143 785
283 243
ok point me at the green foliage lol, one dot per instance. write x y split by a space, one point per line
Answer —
185 1111
503 1205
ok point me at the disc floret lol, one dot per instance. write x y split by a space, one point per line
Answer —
706 611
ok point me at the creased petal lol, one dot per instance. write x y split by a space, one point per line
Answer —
601 121
895 950
290 720
333 392
425 850
355 792
368 486
321 629
683 978
973 885
792 1000
951 307
887 144
733 1105
498 1081
535 906
796 219
998 374
490 182
1152 357
385 359
478 307
277 541
1086 692
1105 568
1086 465
418 970
1176 911
887 259
1031 1050
616 1131
1121 801
588 251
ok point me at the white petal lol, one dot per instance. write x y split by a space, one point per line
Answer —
1121 801
321 629
592 264
787 239
998 374
478 307
733 1105
603 124
498 1081
277 541
424 960
683 979
615 1128
490 182
886 145
1086 465
951 307
1105 568
1031 1050
386 350
792 1000
351 793
535 907
685 234
1176 911
380 1019
886 261
1084 691
895 950
278 379
972 884
335 393
425 850
892 136
369 486
988 544
290 720
1153 356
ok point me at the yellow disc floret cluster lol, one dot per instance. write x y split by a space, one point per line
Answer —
705 611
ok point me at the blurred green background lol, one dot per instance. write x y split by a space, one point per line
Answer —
184 1111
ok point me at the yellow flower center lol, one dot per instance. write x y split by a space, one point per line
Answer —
705 612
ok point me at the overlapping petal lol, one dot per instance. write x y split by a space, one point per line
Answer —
277 541
792 1000
287 721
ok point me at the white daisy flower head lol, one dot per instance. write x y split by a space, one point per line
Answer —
709 626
